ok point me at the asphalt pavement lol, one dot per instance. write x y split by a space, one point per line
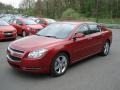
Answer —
94 73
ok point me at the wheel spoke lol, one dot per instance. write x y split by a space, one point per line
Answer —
61 69
106 48
57 67
58 60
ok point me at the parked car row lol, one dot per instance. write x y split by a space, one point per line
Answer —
23 25
51 48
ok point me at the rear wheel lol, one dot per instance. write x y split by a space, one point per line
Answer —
106 49
14 38
59 65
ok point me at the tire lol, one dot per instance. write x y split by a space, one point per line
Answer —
59 65
14 38
24 34
106 49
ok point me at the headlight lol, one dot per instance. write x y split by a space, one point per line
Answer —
37 53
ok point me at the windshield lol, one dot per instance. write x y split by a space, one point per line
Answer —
29 22
57 30
3 23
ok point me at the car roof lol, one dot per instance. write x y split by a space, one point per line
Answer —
76 22
24 19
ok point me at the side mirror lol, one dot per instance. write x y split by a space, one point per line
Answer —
78 35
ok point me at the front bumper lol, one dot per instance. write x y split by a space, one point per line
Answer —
33 66
6 37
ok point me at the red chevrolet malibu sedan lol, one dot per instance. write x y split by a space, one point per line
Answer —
25 27
57 46
7 31
43 21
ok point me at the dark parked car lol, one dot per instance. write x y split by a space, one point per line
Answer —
57 46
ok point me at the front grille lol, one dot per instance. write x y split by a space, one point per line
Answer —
8 34
14 58
16 50
15 55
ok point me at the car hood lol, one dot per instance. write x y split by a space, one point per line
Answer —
35 26
34 42
7 28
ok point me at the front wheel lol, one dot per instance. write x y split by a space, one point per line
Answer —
59 65
106 49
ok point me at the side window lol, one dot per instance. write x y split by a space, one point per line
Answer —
43 21
14 21
40 21
94 28
11 21
83 29
18 22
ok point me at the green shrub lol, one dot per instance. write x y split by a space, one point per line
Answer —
70 14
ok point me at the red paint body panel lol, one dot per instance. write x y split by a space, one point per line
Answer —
29 29
76 49
7 32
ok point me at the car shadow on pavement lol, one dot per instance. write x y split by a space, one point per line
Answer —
7 40
28 75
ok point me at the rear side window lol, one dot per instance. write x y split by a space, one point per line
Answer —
94 28
83 29
11 21
40 21
14 21
18 22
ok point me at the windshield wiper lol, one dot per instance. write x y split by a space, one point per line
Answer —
38 35
47 36
51 36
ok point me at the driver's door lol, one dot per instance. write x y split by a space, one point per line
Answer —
81 46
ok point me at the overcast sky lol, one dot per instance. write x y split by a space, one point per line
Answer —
14 3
